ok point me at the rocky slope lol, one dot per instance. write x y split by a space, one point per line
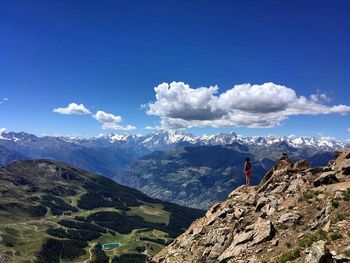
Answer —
296 214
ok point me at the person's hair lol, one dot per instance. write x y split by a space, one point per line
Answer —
247 159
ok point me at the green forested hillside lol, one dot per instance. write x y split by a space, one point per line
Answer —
51 212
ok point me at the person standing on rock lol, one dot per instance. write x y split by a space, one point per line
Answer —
247 171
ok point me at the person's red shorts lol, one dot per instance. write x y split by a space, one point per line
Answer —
248 172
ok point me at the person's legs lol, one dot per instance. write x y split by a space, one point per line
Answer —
247 177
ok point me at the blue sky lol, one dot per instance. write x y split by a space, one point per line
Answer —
109 56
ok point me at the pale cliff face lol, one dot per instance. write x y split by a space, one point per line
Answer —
286 218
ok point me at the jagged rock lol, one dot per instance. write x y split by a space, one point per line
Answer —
3 258
262 201
326 178
288 219
280 188
264 231
327 226
341 258
295 186
347 156
346 170
318 253
257 233
217 240
239 212
232 252
321 196
330 163
275 242
337 153
301 165
243 238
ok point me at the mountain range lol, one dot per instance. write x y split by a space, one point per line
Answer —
104 154
171 165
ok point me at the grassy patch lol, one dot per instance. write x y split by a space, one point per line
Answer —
303 243
346 195
290 255
335 203
151 213
340 217
308 195
347 253
336 236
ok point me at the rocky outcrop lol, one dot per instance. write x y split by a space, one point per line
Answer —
319 254
326 178
301 165
3 258
286 218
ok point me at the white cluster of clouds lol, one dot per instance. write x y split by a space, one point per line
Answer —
73 108
105 117
245 105
109 121
2 130
3 100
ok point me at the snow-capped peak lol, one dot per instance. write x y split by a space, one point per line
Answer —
165 139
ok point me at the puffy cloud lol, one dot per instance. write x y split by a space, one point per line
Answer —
73 108
2 130
115 126
111 121
178 101
246 105
105 117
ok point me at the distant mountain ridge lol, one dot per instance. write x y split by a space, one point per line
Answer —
162 140
106 154
95 156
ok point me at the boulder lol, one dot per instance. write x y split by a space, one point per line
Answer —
281 187
3 258
254 234
341 258
288 219
264 231
243 238
295 186
262 201
347 155
315 170
318 253
326 178
337 153
346 170
301 165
